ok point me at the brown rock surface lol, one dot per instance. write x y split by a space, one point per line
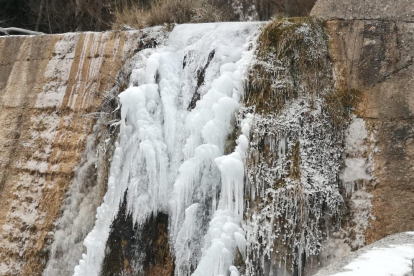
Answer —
376 57
401 10
47 86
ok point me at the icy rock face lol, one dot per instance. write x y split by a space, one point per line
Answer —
356 166
176 116
357 180
292 189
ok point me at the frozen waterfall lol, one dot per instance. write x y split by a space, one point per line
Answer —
176 115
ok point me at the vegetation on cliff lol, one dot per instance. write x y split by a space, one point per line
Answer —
292 189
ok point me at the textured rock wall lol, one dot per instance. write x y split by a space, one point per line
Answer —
375 55
48 86
396 10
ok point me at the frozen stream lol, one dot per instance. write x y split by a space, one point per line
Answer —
176 115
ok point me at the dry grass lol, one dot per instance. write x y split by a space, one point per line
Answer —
291 61
340 105
294 51
167 12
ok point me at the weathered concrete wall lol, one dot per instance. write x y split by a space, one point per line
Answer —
48 86
401 10
376 57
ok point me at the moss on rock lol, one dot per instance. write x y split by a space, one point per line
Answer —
293 163
291 54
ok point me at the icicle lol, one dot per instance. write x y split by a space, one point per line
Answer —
169 158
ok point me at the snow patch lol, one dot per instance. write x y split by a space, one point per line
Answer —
357 164
391 256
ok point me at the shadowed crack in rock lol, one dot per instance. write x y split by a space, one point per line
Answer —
133 250
200 79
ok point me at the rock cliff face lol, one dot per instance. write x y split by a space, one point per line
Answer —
49 86
374 54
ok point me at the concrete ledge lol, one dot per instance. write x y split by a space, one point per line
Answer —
395 10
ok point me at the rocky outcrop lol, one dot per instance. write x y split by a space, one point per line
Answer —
292 165
376 57
49 86
372 48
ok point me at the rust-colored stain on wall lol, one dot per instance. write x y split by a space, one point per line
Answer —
48 86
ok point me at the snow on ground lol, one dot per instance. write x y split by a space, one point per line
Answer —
391 256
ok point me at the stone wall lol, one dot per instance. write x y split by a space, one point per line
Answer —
373 52
394 10
49 87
